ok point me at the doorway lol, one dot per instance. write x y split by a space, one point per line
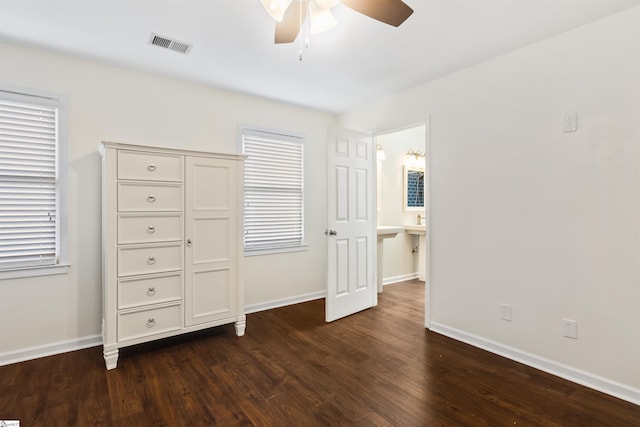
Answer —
400 203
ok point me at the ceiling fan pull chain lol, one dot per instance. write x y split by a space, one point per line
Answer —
300 30
307 36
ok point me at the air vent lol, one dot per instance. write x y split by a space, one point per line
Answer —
170 44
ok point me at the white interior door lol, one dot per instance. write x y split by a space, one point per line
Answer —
210 272
350 233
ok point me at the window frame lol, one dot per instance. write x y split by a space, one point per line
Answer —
287 137
39 97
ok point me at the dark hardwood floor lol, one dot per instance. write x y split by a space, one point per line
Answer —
379 367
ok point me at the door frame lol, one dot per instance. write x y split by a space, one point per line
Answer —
427 201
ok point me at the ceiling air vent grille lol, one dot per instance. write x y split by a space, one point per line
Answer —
170 44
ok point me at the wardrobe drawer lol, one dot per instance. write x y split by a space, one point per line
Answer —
149 228
138 324
150 167
149 290
149 259
148 197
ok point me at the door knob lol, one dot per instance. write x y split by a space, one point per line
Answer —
188 242
330 232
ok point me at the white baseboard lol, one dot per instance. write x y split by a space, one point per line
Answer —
401 278
586 379
96 340
254 308
49 349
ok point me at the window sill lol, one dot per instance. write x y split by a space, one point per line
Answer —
271 251
48 270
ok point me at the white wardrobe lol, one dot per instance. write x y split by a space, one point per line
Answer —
172 244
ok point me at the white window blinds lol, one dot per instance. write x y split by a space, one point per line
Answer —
28 190
273 191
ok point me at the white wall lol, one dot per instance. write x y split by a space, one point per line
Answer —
398 262
527 215
109 103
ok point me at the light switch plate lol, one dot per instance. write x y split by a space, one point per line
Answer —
505 312
570 122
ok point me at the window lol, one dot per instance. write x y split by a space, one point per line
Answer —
273 192
30 183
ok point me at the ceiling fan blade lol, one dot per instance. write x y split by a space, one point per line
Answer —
287 30
392 12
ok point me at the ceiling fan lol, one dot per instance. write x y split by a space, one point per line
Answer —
290 15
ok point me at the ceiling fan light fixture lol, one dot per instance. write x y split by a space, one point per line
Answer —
321 19
291 16
327 4
276 8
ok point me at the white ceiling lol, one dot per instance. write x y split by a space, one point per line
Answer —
358 61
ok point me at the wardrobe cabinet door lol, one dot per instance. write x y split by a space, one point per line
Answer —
210 268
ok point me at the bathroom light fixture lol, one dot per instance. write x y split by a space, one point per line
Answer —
380 152
415 153
414 159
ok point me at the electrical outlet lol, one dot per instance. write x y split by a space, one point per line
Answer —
570 328
505 312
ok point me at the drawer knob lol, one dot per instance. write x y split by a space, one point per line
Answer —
151 260
151 199
151 229
151 291
151 168
151 323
